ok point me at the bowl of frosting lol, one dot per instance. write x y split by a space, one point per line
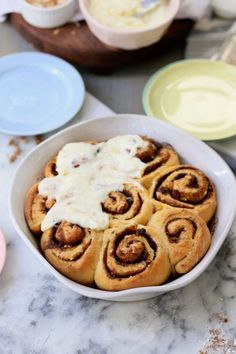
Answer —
129 24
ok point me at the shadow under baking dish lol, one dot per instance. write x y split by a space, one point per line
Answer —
190 149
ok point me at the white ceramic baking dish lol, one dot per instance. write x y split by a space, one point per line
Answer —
190 149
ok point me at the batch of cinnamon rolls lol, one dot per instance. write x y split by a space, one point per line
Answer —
121 214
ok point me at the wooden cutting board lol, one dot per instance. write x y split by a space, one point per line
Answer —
76 44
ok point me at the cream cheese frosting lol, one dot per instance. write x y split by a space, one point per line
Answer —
87 173
127 14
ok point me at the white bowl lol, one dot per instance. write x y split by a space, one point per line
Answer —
129 39
190 149
49 17
224 8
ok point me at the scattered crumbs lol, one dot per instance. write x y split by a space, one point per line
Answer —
12 142
23 140
221 317
221 299
56 31
17 150
218 343
38 139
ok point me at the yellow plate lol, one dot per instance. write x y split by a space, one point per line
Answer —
198 96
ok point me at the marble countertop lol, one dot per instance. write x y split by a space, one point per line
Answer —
38 315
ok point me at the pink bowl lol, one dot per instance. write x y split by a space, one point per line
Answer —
2 251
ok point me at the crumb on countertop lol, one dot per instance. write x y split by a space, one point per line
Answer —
218 342
17 150
221 317
23 140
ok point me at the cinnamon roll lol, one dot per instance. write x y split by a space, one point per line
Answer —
72 250
36 208
132 256
185 187
156 156
95 217
187 235
130 205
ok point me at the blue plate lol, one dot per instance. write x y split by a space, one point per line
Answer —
38 93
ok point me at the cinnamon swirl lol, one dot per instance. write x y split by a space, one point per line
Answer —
187 235
50 168
185 187
130 205
72 250
156 156
132 256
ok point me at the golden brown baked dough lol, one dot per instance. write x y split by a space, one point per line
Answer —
50 168
132 256
36 208
186 187
130 205
187 235
156 156
73 251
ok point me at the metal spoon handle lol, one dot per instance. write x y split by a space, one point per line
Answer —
146 6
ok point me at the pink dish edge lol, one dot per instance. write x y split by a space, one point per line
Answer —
3 251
